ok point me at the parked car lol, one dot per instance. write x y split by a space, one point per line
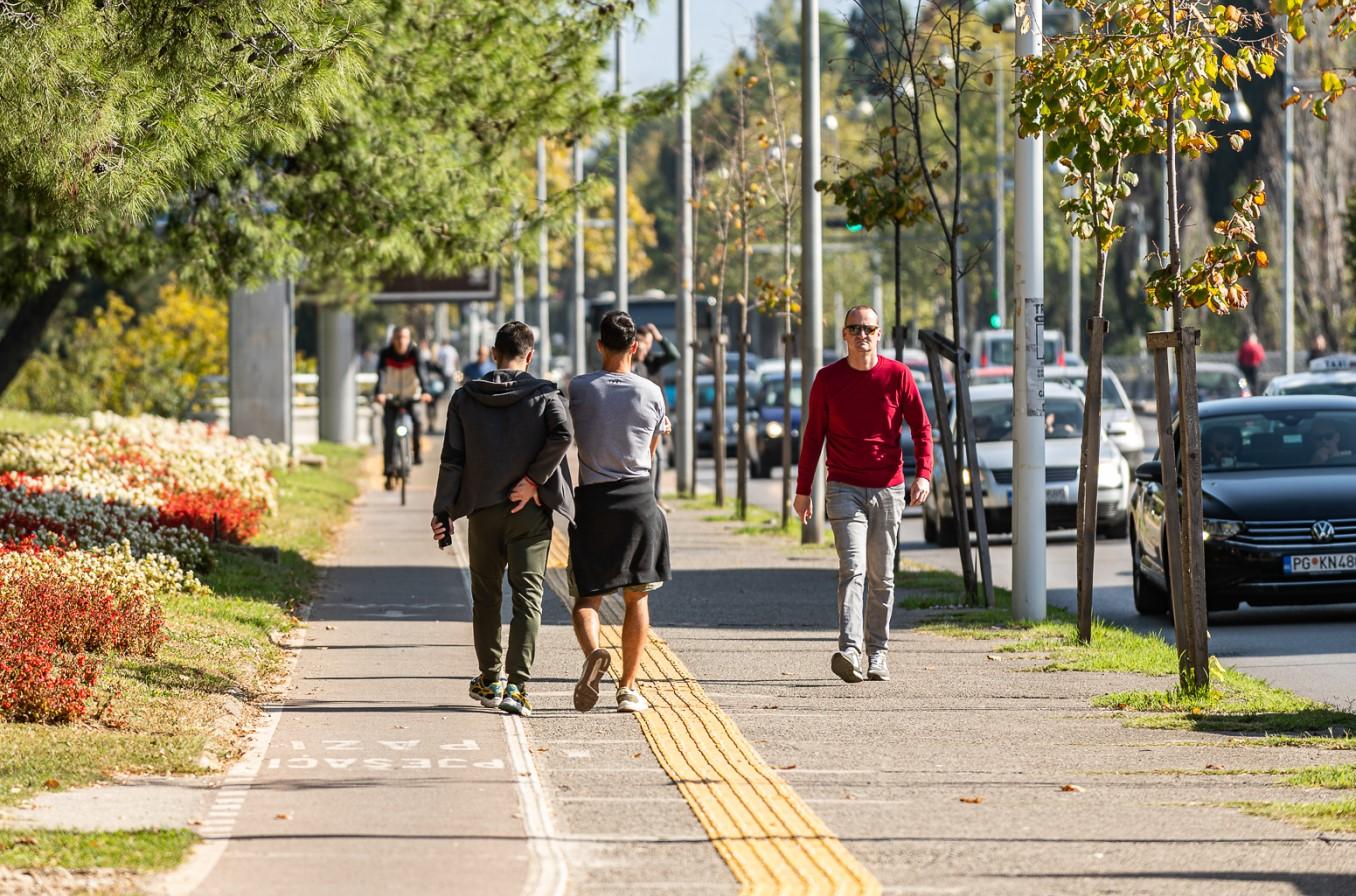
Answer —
706 400
771 428
1278 495
992 413
1333 381
1216 380
994 348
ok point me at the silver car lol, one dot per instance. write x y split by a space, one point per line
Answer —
992 411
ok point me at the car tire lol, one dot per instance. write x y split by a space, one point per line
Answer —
946 532
1150 600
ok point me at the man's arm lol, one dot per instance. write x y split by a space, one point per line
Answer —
453 462
813 430
916 417
559 435
662 353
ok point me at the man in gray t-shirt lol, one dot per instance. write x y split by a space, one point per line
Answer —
620 539
616 416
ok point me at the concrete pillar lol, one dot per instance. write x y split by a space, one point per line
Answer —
261 355
338 365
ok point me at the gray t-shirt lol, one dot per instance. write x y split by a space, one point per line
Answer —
615 418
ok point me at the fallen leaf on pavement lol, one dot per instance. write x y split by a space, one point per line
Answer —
972 800
329 628
635 755
1071 788
990 656
51 784
25 841
283 816
1212 765
785 767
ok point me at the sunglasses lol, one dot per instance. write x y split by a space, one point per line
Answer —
862 329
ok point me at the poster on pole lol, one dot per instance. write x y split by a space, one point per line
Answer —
1033 324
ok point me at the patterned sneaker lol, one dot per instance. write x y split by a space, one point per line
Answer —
876 669
515 702
488 694
847 667
586 691
629 700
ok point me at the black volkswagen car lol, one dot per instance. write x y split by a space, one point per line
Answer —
1279 499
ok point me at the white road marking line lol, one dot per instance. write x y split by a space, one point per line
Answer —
547 873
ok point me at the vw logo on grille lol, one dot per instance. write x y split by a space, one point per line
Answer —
1323 531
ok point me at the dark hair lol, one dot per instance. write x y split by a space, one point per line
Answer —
617 331
513 341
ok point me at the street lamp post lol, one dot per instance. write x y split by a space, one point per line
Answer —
811 255
543 270
1000 261
1028 426
622 212
683 440
1288 155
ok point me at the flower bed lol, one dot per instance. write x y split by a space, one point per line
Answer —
97 524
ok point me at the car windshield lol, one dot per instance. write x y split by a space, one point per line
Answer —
1217 384
1278 440
1000 351
993 419
706 393
774 391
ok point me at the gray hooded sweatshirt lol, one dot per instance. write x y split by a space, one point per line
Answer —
499 429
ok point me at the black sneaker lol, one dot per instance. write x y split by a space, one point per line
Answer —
846 667
390 482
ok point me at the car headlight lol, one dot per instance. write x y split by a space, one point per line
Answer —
773 429
1109 474
965 476
1220 530
402 431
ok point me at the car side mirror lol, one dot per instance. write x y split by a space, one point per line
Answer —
1149 471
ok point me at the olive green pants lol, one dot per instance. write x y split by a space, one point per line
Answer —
519 542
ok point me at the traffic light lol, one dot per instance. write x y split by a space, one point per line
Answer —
995 321
854 226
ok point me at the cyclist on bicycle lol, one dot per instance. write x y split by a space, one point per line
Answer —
401 383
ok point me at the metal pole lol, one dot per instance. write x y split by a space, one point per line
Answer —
543 270
811 243
1075 296
518 312
1288 152
1164 229
1028 427
683 442
1000 237
579 325
623 278
338 367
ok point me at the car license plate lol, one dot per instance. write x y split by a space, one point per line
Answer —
1319 564
1056 494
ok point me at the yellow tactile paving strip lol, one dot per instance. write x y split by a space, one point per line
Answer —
771 840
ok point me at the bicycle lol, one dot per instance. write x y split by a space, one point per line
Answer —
402 449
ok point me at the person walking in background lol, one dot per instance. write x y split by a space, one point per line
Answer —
504 469
1318 348
858 406
655 353
620 539
1251 357
481 366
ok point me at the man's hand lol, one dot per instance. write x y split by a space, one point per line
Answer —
523 492
665 426
439 530
380 399
425 397
919 491
803 508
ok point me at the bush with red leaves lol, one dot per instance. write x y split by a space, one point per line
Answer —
223 514
39 683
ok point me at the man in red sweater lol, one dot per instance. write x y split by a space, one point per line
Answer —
859 404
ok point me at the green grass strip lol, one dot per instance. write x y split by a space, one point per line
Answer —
1329 777
1338 817
153 850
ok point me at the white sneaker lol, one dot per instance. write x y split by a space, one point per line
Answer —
876 668
629 700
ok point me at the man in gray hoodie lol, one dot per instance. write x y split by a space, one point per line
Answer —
503 468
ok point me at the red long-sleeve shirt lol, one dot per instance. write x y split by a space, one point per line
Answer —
860 413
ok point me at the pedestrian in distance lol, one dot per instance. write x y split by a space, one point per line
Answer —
1251 357
655 353
504 469
483 365
1318 348
858 406
620 538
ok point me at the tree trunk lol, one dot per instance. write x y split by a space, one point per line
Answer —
24 334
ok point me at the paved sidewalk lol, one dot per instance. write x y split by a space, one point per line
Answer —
381 776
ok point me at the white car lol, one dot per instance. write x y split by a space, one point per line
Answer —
992 412
1118 415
